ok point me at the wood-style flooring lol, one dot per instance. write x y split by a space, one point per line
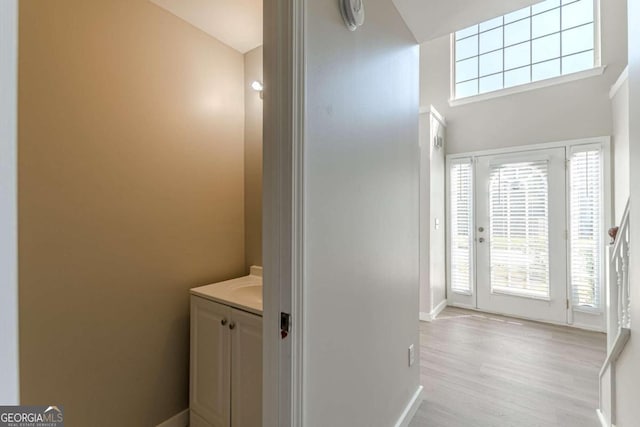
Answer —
481 370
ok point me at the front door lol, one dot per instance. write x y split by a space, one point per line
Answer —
520 234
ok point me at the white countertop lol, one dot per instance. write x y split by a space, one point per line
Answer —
244 292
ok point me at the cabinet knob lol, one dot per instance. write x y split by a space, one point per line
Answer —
232 325
223 322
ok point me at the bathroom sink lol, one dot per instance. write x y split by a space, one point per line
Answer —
250 292
244 292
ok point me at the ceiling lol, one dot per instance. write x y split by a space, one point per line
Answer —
237 23
430 19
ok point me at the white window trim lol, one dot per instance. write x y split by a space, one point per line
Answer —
566 78
605 143
597 70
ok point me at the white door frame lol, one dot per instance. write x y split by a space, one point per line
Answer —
553 308
577 318
283 203
9 368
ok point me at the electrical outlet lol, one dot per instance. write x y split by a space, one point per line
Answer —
412 355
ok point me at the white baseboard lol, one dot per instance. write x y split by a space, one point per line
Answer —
515 316
179 420
411 409
255 270
602 418
428 317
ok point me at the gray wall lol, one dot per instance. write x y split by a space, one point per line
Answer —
432 206
568 111
437 236
620 111
628 371
252 159
9 387
361 217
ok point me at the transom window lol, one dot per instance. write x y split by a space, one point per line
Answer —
546 40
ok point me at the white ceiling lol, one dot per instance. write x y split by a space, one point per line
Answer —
430 19
237 23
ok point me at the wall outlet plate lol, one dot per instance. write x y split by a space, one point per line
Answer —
412 355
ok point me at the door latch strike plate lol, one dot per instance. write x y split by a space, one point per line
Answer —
285 324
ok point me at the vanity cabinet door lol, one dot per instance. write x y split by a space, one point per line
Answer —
210 362
246 366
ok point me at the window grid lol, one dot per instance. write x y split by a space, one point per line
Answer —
532 64
530 41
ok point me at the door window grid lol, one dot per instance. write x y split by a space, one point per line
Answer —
519 228
507 72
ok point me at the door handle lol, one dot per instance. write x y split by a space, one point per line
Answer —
232 325
223 322
481 240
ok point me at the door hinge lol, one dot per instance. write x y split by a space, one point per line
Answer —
285 324
566 234
566 164
567 304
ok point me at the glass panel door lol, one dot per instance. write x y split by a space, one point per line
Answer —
520 234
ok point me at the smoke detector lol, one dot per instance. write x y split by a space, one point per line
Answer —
353 13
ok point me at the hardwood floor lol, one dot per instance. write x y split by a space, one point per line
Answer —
482 370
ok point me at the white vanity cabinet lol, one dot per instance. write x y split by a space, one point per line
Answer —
226 366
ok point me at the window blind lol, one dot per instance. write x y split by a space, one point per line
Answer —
519 228
585 227
461 226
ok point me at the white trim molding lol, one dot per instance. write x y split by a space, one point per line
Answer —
439 117
566 78
429 317
411 409
602 418
542 146
9 350
181 419
283 186
624 75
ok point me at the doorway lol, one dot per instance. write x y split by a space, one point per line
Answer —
520 243
527 230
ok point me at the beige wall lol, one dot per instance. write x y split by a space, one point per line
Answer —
568 111
130 192
253 158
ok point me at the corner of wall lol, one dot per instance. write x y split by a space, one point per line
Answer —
9 351
253 108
